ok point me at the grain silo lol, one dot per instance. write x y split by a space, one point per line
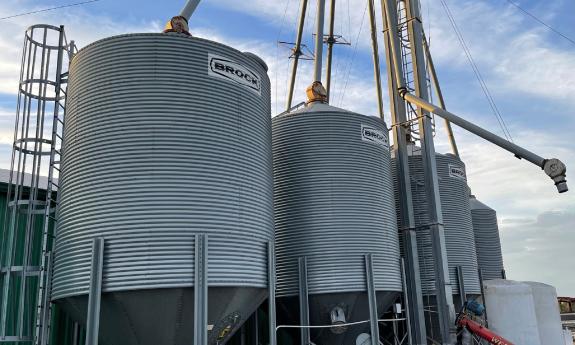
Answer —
459 240
168 144
333 208
487 241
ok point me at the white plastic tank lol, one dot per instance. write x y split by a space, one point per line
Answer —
547 312
567 337
511 311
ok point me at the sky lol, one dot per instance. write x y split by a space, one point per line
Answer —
528 69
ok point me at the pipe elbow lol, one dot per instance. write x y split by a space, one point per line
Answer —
556 170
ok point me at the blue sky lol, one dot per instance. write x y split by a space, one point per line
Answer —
528 69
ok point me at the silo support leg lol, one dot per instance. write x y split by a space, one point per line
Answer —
303 301
372 299
406 302
480 273
201 290
256 330
95 293
461 285
76 334
272 293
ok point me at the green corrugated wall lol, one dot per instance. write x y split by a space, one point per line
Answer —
62 326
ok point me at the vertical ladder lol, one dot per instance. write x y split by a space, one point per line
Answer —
27 232
44 307
408 73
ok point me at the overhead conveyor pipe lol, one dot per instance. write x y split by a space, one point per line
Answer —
316 92
189 9
179 23
553 167
319 40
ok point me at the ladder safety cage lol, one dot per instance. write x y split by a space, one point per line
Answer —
32 197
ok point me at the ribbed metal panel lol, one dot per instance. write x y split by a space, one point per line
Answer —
157 151
333 202
487 242
459 240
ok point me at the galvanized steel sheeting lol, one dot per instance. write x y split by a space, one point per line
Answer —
333 202
487 241
156 152
459 240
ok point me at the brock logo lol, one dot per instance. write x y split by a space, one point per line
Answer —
225 68
457 172
374 136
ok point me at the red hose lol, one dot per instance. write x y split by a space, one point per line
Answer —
483 332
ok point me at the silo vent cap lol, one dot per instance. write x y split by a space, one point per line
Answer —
316 93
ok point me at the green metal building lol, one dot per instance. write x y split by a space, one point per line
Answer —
21 294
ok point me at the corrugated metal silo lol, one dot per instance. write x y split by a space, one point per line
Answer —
167 136
333 205
459 240
487 242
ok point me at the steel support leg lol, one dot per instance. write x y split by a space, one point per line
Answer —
95 294
375 54
256 328
372 299
250 329
296 53
461 285
439 94
330 42
243 334
446 312
201 290
406 302
406 224
76 334
303 301
413 290
480 272
272 292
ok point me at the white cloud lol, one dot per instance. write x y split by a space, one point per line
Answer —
513 55
80 25
541 249
6 126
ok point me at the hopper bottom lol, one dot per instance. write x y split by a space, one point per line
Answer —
166 316
354 304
